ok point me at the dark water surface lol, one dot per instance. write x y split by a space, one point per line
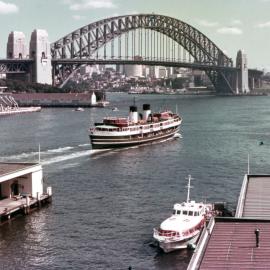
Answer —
105 206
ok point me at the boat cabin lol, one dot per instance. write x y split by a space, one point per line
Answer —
189 209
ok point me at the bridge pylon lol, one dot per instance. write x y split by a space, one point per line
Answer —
242 86
40 52
17 50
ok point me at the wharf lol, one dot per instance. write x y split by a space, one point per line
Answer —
242 242
21 189
21 205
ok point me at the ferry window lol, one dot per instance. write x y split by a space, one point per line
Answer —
174 212
190 213
178 212
184 212
196 214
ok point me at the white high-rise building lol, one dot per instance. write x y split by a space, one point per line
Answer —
16 46
40 51
133 70
154 72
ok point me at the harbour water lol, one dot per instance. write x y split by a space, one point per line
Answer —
106 205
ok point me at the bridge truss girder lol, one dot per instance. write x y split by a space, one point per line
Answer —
8 66
84 43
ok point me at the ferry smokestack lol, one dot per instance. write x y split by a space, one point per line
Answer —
146 111
133 114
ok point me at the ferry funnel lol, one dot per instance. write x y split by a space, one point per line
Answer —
133 114
146 111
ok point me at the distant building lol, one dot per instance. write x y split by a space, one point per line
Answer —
93 99
154 72
133 70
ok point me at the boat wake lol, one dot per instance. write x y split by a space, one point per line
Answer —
50 156
65 153
65 157
60 150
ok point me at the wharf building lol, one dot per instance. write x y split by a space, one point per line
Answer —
21 189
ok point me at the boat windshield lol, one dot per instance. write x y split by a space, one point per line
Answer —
176 212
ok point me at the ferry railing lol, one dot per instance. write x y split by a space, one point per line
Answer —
158 232
241 198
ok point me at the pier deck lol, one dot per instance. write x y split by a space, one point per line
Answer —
230 243
17 204
254 199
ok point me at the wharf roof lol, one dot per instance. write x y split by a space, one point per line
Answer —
232 245
254 199
7 169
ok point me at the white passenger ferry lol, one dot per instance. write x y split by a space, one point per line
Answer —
184 226
116 132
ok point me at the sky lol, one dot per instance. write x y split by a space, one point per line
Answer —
230 24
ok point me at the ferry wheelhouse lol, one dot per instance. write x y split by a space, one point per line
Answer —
184 226
116 132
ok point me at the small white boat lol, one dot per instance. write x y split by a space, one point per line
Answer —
184 226
115 109
79 109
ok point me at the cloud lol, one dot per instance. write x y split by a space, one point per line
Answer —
90 4
7 8
208 24
263 25
78 17
230 31
236 22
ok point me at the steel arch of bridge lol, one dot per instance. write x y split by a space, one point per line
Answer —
83 43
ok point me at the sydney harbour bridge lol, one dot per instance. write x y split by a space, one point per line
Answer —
142 39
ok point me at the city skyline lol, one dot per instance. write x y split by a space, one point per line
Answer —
232 25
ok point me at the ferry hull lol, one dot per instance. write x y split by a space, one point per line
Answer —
111 143
183 244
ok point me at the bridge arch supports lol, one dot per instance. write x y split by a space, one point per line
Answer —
17 50
39 50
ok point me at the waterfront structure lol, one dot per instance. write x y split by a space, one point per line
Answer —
21 188
53 99
93 99
242 242
9 106
39 51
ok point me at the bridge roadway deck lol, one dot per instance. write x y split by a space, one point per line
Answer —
150 62
12 61
230 243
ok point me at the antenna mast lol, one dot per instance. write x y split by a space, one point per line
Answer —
39 153
189 187
248 165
